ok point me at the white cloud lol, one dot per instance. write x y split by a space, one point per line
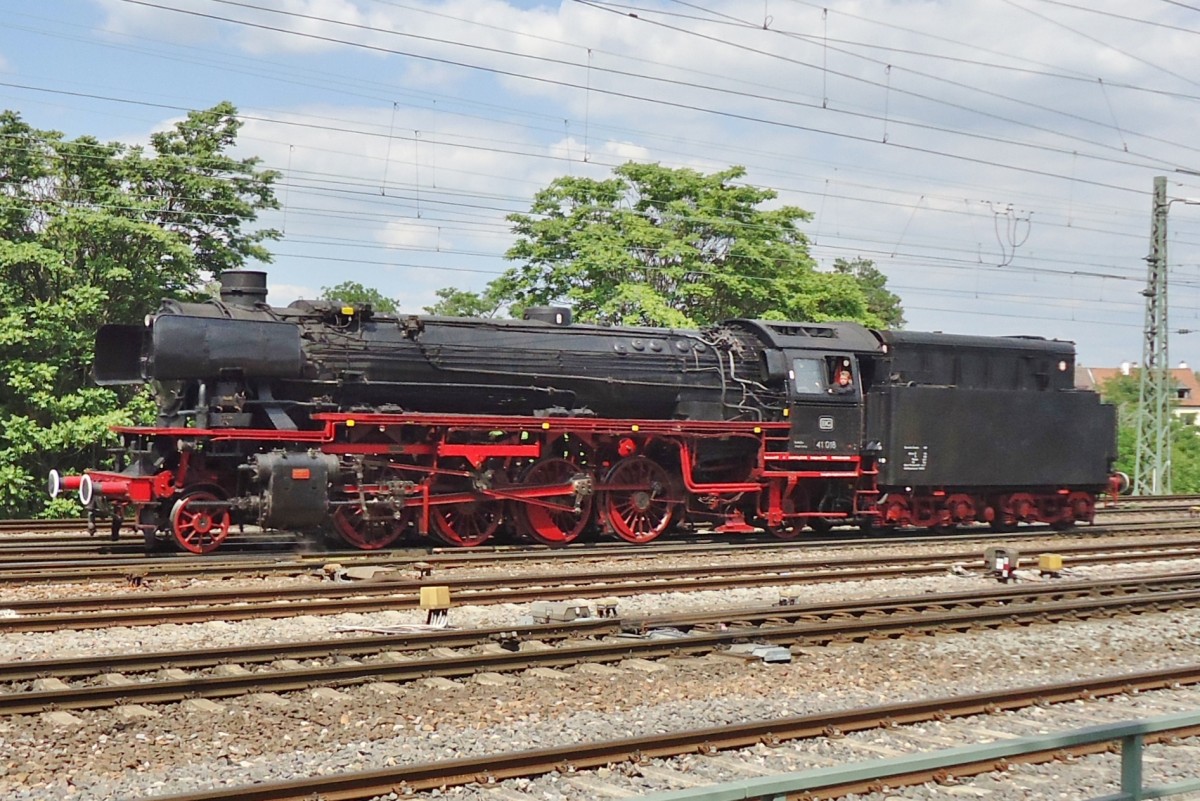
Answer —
159 24
306 26
979 110
414 234
281 294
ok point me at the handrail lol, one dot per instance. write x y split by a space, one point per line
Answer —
1131 735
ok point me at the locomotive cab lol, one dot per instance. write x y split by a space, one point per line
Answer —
825 404
828 367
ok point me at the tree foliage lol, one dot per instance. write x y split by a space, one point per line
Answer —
883 303
667 247
353 292
1123 392
453 302
94 232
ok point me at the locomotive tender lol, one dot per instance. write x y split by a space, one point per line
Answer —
322 414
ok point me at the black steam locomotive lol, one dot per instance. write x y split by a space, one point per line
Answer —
322 414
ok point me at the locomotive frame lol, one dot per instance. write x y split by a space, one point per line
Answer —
459 478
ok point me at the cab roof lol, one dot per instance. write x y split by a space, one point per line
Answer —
836 337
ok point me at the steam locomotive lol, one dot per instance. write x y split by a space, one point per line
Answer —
330 415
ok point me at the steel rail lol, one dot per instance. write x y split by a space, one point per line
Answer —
69 523
385 596
485 770
38 567
64 524
1137 509
39 554
75 668
408 598
853 567
889 622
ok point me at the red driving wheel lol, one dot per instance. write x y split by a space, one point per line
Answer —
555 520
365 533
639 504
198 526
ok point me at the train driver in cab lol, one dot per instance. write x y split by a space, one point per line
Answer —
843 379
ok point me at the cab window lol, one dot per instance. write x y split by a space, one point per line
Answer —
808 376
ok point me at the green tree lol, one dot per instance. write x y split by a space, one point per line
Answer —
453 302
190 186
1185 458
354 292
883 304
94 232
1123 391
672 247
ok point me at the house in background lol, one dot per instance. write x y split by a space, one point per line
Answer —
1186 403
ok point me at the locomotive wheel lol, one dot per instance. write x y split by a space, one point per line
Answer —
199 530
472 522
465 525
820 525
870 526
553 521
791 528
794 528
642 508
788 530
367 534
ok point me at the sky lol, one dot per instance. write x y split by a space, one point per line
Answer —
994 158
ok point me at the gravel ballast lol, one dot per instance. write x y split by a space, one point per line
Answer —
175 748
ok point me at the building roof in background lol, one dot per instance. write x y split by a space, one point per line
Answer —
1182 378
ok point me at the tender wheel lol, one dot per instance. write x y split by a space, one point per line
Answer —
199 530
553 521
1000 522
641 506
1006 512
369 534
1083 507
961 508
896 511
465 524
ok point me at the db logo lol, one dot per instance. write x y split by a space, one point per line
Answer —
825 423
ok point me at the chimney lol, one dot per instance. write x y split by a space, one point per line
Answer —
243 287
1125 368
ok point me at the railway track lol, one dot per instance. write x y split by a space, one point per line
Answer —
153 608
35 567
64 524
490 769
609 640
193 724
591 627
68 535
